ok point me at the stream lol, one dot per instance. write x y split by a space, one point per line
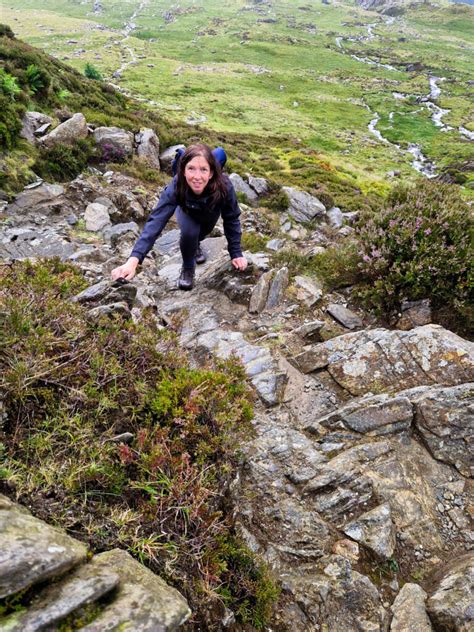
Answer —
419 162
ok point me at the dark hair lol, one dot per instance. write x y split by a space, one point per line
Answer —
216 185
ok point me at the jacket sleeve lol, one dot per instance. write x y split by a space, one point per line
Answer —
157 220
231 221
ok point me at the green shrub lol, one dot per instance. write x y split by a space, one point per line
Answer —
10 123
9 85
6 31
37 79
91 72
418 246
63 162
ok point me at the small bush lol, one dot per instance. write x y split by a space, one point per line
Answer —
10 123
418 246
5 31
63 162
91 72
112 153
9 85
37 79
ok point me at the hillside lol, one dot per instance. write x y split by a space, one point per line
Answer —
354 86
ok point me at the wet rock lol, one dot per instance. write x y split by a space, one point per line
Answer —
277 289
335 218
414 314
303 207
409 612
144 603
259 294
450 604
309 290
379 359
31 550
31 122
167 157
259 185
345 316
116 138
148 147
97 217
445 419
375 530
68 132
86 585
241 186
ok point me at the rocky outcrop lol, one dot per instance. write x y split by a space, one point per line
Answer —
36 554
409 612
148 147
450 603
241 186
303 207
34 123
115 140
68 132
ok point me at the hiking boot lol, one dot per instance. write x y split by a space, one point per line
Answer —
186 279
200 256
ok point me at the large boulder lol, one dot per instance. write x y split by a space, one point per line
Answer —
241 186
40 199
68 132
114 140
148 147
303 207
380 360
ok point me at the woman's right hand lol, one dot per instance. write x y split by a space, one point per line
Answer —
126 271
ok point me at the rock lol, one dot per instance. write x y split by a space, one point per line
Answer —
309 290
110 309
350 217
241 186
259 295
348 549
409 612
31 122
378 359
335 218
85 586
277 288
148 147
445 420
275 244
108 292
259 185
97 217
21 243
42 199
31 550
374 415
375 530
414 314
114 234
119 140
68 132
144 602
345 316
167 157
310 330
450 604
303 207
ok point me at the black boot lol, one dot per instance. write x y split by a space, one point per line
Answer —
186 279
200 256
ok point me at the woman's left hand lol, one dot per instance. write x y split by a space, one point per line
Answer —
239 263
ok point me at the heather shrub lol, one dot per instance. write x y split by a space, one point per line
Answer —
63 162
112 153
418 246
91 72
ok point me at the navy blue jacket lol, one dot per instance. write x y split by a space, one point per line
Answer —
199 209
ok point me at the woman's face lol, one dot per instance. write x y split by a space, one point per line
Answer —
197 173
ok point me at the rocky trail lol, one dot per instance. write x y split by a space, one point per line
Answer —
356 487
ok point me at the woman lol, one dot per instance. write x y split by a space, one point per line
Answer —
200 194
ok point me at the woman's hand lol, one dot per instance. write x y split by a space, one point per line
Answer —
127 271
239 263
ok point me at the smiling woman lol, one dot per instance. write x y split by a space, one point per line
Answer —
200 194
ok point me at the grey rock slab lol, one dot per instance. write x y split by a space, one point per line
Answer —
345 316
379 359
450 604
409 611
303 207
309 290
259 296
84 586
310 330
445 419
415 314
68 132
259 185
148 147
16 244
335 217
277 289
97 217
32 551
144 602
375 530
275 244
107 292
38 199
116 137
241 186
114 234
168 243
309 360
31 123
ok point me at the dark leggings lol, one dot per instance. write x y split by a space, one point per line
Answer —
191 234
